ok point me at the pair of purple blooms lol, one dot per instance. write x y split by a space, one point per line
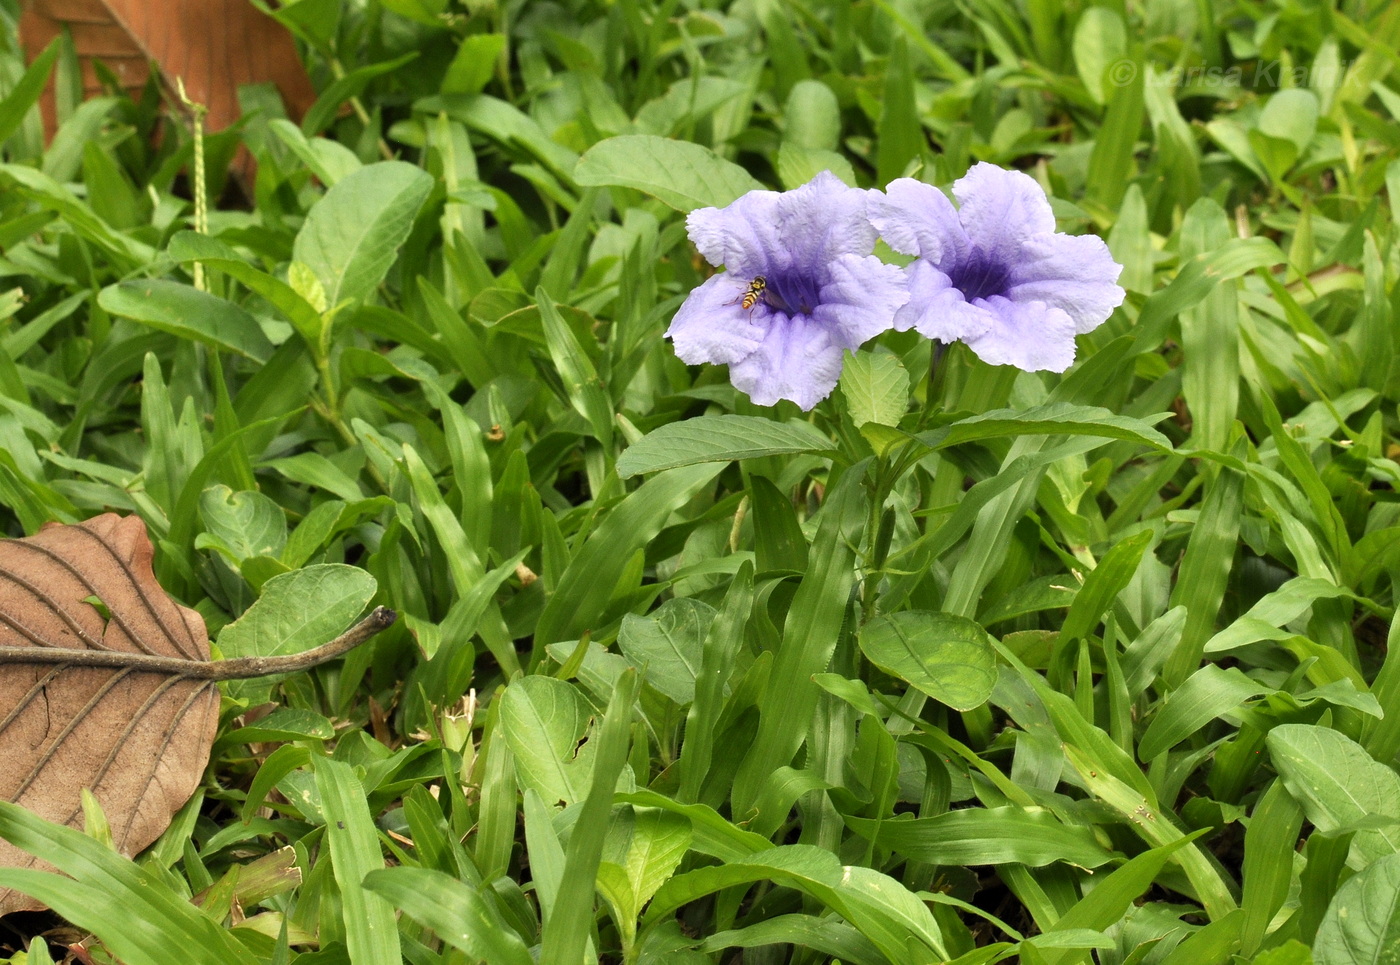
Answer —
801 285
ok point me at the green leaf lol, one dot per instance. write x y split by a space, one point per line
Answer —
585 590
586 392
246 523
978 836
880 907
1055 418
371 934
1339 786
900 136
1100 42
299 610
947 657
665 646
1207 694
641 852
133 912
456 912
189 246
567 933
1363 922
680 173
25 93
721 438
544 720
876 388
185 311
812 117
351 235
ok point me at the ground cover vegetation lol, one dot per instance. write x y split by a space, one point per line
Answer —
956 662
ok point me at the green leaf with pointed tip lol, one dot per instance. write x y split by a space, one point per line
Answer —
876 387
1363 922
1339 786
189 313
978 836
299 610
680 173
351 236
945 656
459 915
666 645
722 438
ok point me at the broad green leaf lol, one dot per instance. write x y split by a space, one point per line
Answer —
1339 786
544 720
352 234
683 174
189 246
1290 115
812 116
299 610
245 523
947 657
722 438
1100 42
189 313
642 850
665 646
1362 925
876 388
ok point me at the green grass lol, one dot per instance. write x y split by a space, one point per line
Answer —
1070 669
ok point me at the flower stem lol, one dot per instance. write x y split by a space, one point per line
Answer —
933 388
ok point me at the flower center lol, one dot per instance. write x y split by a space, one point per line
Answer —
980 276
792 293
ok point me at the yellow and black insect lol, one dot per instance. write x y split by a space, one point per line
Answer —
754 293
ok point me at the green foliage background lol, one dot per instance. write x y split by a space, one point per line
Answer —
1100 673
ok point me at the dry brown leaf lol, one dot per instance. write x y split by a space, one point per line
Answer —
138 739
122 702
213 45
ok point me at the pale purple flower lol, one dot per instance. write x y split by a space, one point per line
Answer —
993 272
821 290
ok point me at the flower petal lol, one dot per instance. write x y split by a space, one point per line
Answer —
1000 209
742 236
918 219
822 220
938 310
860 299
797 361
712 326
1032 336
1074 273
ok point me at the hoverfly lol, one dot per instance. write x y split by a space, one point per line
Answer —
754 293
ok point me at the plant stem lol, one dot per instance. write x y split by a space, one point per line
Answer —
237 669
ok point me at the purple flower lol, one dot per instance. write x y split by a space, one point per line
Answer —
800 287
994 272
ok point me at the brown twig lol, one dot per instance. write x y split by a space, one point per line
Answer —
237 669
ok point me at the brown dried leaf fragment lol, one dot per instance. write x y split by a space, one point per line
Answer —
138 738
